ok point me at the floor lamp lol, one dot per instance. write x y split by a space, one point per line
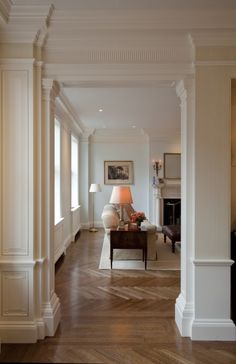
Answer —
95 187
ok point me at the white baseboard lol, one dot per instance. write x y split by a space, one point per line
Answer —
87 225
223 330
19 332
67 242
183 316
51 315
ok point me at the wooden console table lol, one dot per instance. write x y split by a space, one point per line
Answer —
128 239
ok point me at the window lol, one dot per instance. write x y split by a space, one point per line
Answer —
74 172
57 177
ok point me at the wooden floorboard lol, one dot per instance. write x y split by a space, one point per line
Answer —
110 317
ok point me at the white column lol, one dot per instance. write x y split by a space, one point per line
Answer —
51 304
212 261
157 207
184 308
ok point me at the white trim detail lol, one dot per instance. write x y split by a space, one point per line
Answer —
184 315
51 315
205 329
213 262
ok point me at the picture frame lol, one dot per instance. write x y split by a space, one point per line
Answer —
118 172
172 166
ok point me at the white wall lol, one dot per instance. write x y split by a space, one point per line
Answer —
136 152
141 152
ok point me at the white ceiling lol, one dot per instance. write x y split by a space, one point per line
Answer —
129 107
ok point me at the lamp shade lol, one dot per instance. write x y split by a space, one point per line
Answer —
95 187
121 195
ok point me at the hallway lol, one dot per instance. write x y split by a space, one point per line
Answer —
122 317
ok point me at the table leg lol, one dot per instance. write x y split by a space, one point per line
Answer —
111 256
173 246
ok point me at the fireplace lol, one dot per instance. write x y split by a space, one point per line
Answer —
171 211
166 203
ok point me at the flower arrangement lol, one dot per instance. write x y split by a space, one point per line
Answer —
138 217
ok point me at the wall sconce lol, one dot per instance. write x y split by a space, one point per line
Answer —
157 166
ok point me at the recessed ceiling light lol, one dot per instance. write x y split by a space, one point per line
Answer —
133 126
100 110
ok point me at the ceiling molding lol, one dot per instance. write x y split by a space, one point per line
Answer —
119 136
213 38
163 135
118 72
27 24
95 55
215 63
66 109
118 84
132 19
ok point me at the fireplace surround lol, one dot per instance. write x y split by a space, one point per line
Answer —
166 203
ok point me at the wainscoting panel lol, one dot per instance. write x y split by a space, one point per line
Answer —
58 240
15 294
16 172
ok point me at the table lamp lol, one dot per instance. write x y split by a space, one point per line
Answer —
121 195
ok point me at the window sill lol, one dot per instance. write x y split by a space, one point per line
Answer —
57 223
73 209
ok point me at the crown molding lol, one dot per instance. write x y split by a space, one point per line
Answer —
215 63
66 109
123 54
117 84
27 24
119 136
118 72
164 135
213 38
132 19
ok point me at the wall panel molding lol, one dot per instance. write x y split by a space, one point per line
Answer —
16 162
15 291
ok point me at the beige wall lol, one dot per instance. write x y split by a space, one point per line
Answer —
233 154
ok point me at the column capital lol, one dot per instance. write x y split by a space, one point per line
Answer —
183 86
84 137
51 88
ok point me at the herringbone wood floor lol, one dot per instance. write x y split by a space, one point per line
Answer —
124 317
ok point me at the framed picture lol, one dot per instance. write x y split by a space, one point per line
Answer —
118 173
172 165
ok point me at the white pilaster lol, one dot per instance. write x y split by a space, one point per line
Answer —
184 308
212 262
51 305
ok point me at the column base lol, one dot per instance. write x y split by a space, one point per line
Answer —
183 316
51 315
223 330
